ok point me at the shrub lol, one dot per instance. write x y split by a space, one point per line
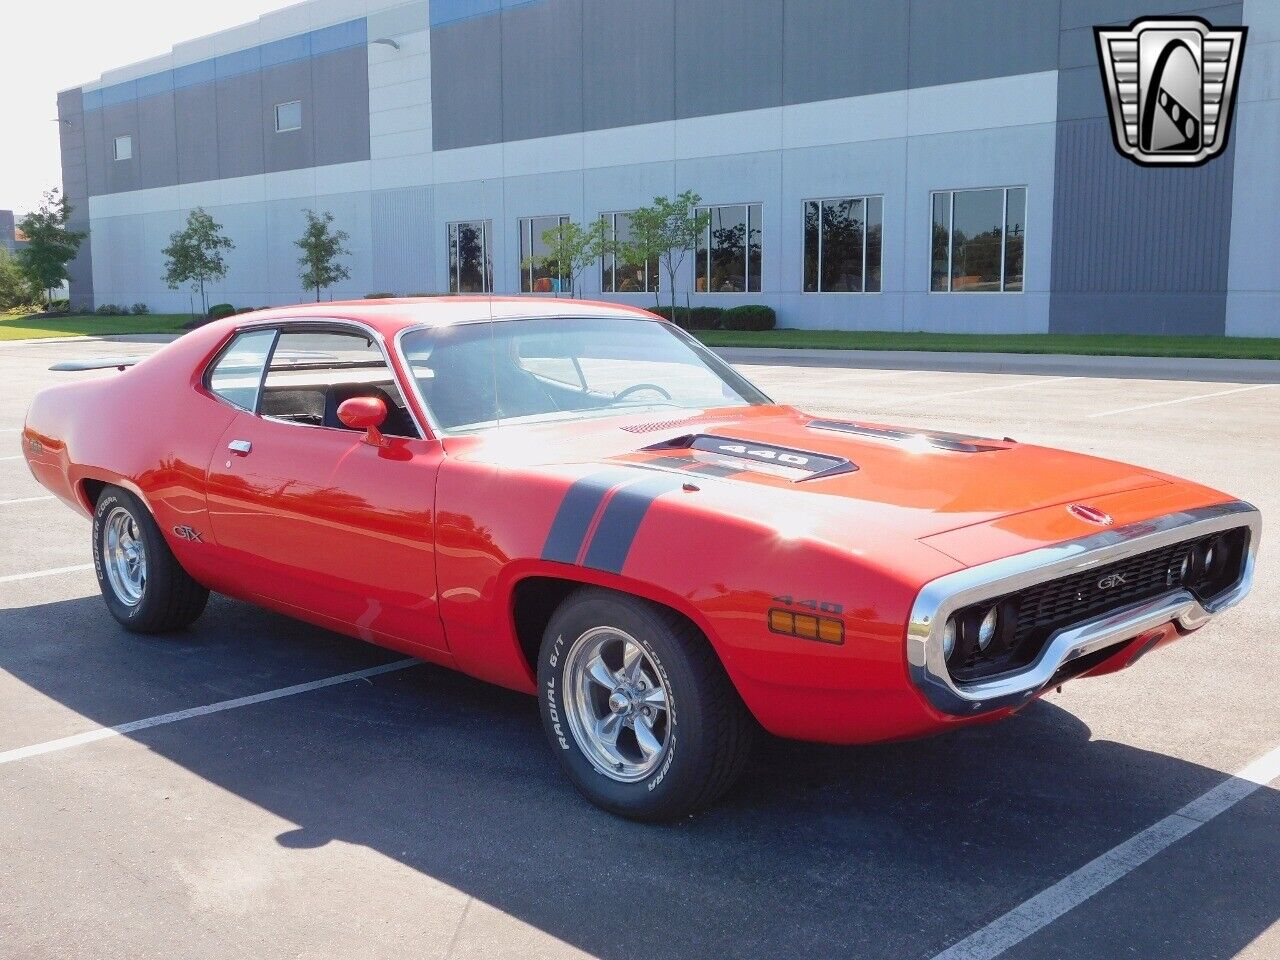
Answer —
693 318
110 310
60 306
138 309
244 310
378 296
449 294
749 316
220 310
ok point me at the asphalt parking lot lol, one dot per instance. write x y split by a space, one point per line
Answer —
417 813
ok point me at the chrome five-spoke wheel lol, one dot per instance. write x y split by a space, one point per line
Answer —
124 556
617 704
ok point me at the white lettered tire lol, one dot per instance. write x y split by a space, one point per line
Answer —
142 583
638 708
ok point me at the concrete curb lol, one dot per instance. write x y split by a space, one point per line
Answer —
105 338
1055 364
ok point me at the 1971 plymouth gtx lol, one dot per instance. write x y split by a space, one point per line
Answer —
578 501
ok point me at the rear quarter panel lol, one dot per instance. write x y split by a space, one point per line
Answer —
147 429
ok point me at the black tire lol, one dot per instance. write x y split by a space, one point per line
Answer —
170 599
710 731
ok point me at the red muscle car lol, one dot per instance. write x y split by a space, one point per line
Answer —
579 501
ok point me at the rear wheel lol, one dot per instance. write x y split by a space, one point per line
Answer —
144 586
638 708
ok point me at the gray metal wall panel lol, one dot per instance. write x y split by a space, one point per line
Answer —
121 120
628 62
72 139
1087 13
402 234
1136 249
832 51
196 123
95 153
728 56
542 69
952 42
466 83
240 149
156 148
1080 91
211 131
292 149
340 109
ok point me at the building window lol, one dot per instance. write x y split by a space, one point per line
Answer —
470 257
616 275
728 259
978 238
540 279
124 148
842 245
288 116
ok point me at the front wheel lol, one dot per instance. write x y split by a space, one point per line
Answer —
144 586
638 708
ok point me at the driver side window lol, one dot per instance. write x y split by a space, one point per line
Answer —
312 372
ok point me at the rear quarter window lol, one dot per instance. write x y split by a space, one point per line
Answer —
237 375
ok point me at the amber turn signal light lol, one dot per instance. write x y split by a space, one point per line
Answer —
806 626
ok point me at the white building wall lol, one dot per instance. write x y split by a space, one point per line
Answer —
395 206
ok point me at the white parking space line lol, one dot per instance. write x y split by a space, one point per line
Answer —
17 457
8 503
55 571
105 733
1166 403
1034 382
1072 890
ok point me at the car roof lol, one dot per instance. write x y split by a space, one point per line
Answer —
390 315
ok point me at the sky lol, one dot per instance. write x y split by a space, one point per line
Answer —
55 44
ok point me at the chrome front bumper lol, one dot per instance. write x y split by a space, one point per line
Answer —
940 598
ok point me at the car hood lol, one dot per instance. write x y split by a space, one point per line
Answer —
912 482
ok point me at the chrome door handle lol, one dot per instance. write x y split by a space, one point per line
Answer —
240 447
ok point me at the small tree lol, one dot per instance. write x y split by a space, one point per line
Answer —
194 255
50 245
571 248
321 249
665 231
15 289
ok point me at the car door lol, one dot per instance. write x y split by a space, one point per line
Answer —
317 520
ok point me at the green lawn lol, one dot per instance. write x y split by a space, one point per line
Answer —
1114 345
20 325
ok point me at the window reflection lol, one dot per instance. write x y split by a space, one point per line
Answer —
616 275
470 257
978 238
842 245
730 250
540 278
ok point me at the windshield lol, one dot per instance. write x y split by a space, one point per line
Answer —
477 375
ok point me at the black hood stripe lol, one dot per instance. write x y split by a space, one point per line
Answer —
621 520
579 506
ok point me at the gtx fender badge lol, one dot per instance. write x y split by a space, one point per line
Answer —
1091 514
1171 87
187 533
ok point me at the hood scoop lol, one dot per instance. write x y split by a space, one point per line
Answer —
796 465
936 439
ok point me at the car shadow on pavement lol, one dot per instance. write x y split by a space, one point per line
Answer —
891 851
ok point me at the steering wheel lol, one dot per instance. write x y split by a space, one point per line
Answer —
637 387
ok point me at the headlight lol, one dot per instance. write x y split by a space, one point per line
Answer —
987 629
949 639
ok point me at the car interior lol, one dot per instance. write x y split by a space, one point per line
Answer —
312 374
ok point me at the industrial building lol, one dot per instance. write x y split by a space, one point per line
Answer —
940 165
